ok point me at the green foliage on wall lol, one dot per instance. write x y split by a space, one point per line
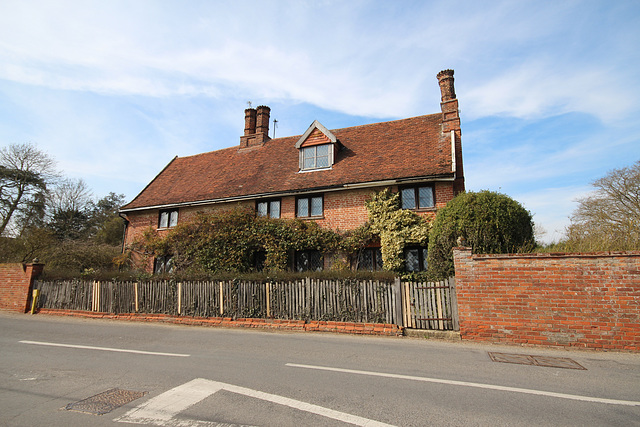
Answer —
489 222
396 227
229 241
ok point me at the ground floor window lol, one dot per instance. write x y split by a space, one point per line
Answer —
310 260
415 259
163 264
370 259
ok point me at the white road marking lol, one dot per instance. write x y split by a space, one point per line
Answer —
89 347
162 409
470 384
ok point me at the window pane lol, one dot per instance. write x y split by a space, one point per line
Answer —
322 156
316 206
377 253
309 157
275 209
316 262
303 207
412 260
408 198
425 252
426 197
173 218
364 260
322 150
164 219
262 209
302 261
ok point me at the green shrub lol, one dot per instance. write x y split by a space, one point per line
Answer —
489 222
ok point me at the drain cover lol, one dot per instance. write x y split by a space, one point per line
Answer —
105 402
524 359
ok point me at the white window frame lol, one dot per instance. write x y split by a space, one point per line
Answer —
314 149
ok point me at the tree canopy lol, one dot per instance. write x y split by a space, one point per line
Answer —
609 218
25 174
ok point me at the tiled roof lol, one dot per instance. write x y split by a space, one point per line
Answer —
399 149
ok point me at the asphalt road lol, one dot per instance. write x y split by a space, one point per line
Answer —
199 376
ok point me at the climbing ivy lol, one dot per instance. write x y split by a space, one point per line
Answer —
396 227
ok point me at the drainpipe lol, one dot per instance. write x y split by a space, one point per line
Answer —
124 232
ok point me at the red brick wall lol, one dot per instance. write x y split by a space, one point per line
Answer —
589 300
343 210
16 282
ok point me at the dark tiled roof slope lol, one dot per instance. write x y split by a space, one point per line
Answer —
406 148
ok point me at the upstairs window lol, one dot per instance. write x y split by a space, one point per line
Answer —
270 208
168 218
421 197
316 157
307 207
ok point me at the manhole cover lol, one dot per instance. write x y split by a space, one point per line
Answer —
524 359
105 402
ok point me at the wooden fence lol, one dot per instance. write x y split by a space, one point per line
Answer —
363 301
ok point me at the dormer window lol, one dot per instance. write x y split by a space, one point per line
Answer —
317 147
316 157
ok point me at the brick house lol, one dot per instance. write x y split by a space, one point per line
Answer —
322 175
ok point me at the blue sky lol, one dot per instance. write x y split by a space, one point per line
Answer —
549 91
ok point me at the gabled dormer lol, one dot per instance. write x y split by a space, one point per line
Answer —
317 148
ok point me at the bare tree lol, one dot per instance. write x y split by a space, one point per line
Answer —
69 207
25 173
609 219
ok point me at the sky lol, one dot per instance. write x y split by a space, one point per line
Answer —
549 91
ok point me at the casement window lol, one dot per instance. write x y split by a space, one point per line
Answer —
310 260
168 218
415 259
311 206
419 197
370 259
316 157
270 208
163 264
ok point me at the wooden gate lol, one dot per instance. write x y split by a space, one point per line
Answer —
430 305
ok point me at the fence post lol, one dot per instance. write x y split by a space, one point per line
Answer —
268 288
221 300
179 298
397 293
454 304
135 292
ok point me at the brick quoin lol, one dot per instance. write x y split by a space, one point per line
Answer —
581 300
16 284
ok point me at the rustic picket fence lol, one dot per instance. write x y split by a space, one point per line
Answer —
413 305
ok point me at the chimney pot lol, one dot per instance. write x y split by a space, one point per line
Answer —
263 119
445 79
249 121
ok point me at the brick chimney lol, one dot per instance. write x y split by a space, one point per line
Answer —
249 121
451 124
256 126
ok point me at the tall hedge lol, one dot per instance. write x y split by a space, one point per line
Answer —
489 222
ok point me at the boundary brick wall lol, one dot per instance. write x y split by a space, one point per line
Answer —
588 300
16 283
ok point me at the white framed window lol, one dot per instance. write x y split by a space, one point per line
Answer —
270 208
316 157
168 218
